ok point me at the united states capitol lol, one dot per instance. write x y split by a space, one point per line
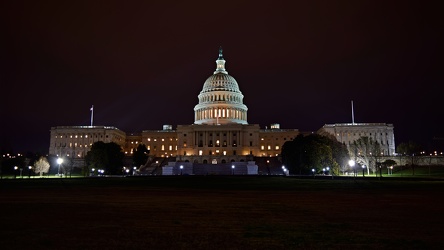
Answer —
219 140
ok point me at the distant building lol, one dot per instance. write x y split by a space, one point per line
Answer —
76 141
347 133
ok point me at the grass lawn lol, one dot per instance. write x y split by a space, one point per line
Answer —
221 212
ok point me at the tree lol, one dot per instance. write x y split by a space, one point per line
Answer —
366 151
140 155
388 164
106 156
410 149
41 166
313 152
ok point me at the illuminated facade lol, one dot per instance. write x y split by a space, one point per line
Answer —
220 133
347 133
76 141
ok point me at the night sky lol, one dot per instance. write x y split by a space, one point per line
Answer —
143 64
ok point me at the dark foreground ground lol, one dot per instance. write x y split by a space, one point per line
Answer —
215 212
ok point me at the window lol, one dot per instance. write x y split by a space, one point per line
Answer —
170 147
269 147
200 152
277 147
162 147
262 147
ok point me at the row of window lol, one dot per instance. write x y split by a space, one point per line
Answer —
359 134
80 136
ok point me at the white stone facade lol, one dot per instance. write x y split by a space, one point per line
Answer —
347 133
76 141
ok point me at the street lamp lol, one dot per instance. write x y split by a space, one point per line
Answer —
181 168
29 172
232 169
59 161
351 163
15 171
92 171
363 167
313 171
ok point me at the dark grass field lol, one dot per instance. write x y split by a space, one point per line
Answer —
221 212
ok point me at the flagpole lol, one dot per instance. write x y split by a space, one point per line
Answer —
92 114
353 114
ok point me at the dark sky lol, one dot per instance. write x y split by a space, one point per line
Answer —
142 65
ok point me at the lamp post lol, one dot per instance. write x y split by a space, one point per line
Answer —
313 171
15 171
92 171
363 167
59 161
232 169
181 168
351 163
134 170
29 172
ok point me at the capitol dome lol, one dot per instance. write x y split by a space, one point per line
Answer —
220 101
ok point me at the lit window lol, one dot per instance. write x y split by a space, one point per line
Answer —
262 139
149 139
155 139
269 147
148 147
163 139
225 152
200 152
277 147
163 147
170 147
262 147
